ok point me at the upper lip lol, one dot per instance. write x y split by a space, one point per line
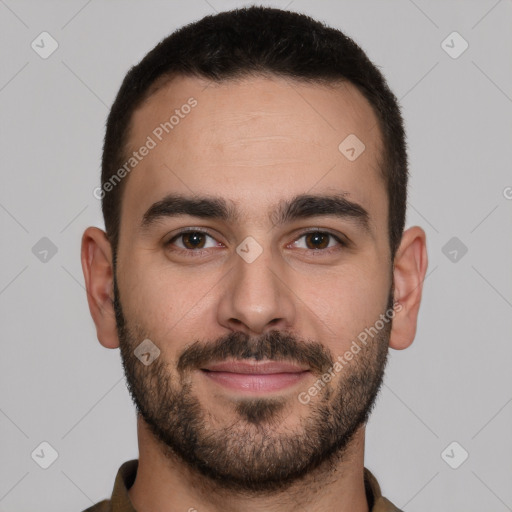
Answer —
255 367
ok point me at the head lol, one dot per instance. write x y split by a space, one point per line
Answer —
254 185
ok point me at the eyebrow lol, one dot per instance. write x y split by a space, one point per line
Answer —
299 207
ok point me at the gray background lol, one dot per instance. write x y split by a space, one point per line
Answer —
61 386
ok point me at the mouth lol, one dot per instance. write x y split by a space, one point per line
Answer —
255 376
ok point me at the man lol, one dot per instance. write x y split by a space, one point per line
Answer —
254 269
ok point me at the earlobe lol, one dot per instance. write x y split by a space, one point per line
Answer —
96 257
410 267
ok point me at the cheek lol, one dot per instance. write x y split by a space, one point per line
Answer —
343 303
166 304
148 301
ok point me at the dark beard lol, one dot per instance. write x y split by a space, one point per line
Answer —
248 455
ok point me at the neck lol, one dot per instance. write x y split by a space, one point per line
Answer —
166 484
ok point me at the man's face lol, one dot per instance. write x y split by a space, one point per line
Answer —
250 310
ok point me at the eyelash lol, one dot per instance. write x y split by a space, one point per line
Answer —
194 253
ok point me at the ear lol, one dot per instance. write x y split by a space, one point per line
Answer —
99 283
410 267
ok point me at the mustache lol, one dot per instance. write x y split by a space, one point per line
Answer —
273 345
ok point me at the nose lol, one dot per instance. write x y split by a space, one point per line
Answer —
257 298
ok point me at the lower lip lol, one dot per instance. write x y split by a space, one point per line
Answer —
262 382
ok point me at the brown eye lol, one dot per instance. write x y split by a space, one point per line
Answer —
317 240
193 240
321 241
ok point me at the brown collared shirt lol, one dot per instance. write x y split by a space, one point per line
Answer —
120 501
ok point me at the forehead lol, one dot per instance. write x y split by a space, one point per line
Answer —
254 141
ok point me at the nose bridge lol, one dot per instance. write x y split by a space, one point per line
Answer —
256 298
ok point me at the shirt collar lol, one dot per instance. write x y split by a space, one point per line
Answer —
120 501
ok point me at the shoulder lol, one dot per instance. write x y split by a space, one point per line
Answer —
102 506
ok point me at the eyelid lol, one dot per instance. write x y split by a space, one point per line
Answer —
335 234
342 240
192 229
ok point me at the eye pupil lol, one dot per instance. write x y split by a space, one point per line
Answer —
318 238
197 239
